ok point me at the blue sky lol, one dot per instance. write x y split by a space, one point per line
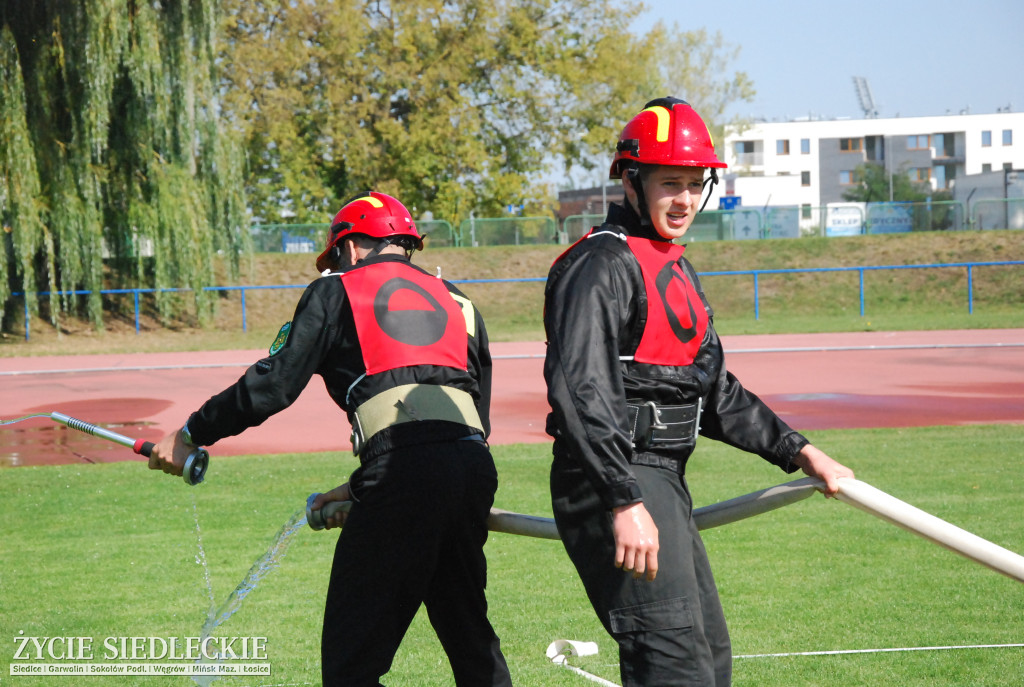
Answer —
920 57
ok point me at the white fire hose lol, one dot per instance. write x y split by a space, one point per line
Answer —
851 491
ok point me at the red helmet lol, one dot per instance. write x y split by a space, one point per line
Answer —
377 215
667 132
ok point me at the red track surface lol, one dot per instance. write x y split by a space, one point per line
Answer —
814 381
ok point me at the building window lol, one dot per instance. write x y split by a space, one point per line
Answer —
920 173
939 172
1007 166
986 139
805 178
782 147
919 142
741 147
1007 137
805 211
847 177
986 168
851 145
805 146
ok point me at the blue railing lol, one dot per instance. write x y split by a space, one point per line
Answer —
861 270
756 274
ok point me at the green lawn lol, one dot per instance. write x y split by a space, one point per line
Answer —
112 550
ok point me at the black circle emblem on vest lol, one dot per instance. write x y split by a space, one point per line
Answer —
411 327
662 283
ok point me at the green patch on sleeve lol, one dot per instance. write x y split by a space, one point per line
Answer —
281 339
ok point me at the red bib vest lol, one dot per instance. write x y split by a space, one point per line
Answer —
404 317
676 318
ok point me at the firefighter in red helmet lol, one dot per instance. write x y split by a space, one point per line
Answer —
635 372
376 216
405 355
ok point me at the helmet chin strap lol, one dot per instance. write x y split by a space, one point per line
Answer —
633 174
712 179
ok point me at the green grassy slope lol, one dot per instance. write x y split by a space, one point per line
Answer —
894 299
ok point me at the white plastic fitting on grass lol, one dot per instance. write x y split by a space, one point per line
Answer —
560 650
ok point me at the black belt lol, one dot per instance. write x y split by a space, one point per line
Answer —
652 425
655 461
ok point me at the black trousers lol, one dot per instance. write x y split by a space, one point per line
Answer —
415 537
671 632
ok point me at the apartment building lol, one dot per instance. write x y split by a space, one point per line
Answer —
810 163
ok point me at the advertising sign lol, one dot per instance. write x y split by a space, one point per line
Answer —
890 218
844 219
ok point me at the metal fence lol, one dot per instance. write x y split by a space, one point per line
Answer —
755 274
736 224
969 266
438 232
838 219
288 238
508 231
575 227
309 238
998 213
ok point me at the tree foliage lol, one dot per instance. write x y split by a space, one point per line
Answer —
874 182
119 120
454 105
110 142
695 67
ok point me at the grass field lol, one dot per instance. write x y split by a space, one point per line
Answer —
112 550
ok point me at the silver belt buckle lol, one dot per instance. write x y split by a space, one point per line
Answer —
656 423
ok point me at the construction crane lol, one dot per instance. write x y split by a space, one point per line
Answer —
867 101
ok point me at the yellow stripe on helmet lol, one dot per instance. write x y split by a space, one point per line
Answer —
371 200
664 120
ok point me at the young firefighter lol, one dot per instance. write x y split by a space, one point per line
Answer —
405 355
634 369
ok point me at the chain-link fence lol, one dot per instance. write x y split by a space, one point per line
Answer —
508 231
736 224
289 238
437 233
998 213
576 227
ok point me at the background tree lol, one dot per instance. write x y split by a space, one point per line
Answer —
694 66
112 146
452 106
118 120
873 187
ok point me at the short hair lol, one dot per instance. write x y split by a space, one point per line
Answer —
404 241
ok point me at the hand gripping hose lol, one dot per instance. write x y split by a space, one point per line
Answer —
195 464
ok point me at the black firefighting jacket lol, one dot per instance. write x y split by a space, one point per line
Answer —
321 339
595 306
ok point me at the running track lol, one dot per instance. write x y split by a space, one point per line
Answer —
814 381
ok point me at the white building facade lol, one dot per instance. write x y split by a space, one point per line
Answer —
811 163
